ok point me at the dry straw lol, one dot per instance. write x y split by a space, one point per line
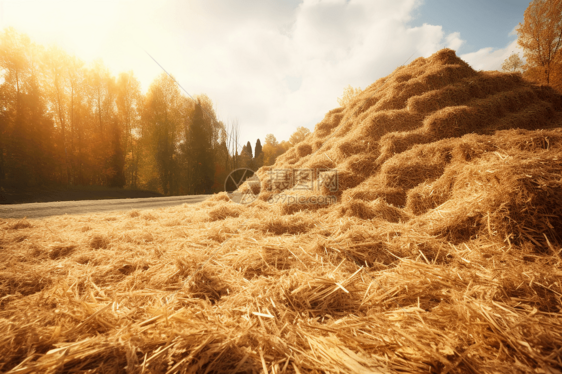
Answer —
441 255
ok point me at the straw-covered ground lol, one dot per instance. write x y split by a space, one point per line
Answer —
442 253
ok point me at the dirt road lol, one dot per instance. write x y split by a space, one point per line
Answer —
40 210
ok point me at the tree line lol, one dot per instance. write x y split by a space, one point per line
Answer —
65 123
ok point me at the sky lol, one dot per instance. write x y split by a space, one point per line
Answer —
270 65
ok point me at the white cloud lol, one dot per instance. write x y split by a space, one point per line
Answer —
489 58
454 40
273 65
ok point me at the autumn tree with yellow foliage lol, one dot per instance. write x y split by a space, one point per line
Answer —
273 149
540 36
349 93
299 135
513 64
63 122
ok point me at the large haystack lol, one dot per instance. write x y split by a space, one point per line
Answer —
441 254
410 140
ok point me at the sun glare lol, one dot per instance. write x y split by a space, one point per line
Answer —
90 30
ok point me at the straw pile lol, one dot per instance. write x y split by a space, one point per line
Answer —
442 253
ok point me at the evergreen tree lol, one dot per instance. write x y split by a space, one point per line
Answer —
259 159
258 149
200 153
249 149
